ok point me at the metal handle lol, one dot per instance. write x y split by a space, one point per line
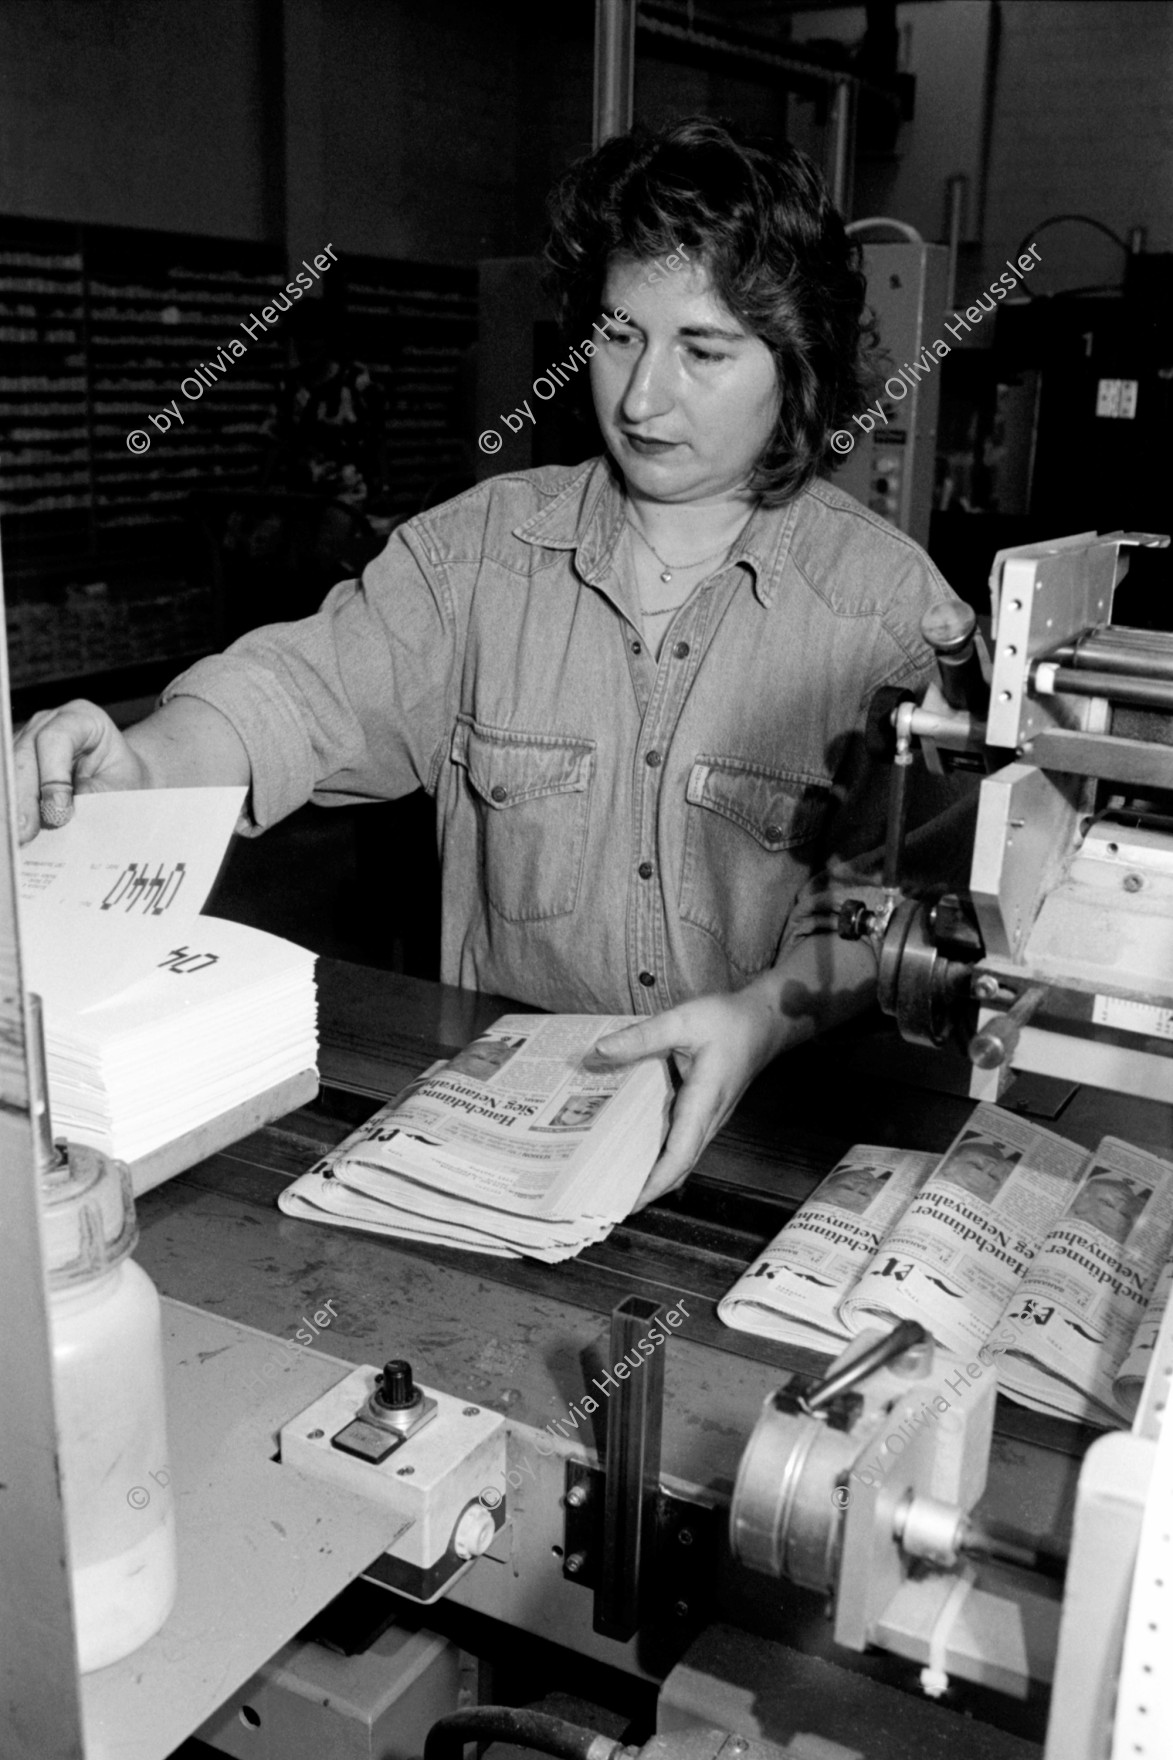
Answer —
46 1149
997 1041
903 1336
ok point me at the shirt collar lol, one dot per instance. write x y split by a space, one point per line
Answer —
587 516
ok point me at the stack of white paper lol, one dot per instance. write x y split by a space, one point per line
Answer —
104 898
228 1014
518 1145
158 1020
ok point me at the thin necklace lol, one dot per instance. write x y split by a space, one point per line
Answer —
663 610
668 569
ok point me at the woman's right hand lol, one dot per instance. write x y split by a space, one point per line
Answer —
76 749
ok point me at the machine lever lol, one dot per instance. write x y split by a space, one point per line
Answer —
634 1422
902 1337
995 1044
950 630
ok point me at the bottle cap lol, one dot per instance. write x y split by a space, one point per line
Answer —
88 1207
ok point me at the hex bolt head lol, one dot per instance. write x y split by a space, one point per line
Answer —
574 1563
577 1496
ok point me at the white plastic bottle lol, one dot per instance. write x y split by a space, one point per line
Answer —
108 1373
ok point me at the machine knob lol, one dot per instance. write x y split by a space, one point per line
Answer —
950 630
948 627
397 1390
855 920
474 1532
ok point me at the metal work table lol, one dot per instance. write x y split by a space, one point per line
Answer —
526 1338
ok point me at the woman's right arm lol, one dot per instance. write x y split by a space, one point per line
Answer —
77 749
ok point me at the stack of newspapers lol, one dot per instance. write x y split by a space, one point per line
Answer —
159 1021
517 1145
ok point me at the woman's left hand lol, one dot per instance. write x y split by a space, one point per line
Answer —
719 1043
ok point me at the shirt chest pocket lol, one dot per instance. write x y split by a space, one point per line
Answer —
532 796
750 837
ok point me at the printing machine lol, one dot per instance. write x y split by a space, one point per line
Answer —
1065 939
718 1502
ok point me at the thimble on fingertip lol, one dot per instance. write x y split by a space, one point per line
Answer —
56 804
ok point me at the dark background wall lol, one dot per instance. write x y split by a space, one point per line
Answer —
149 113
430 131
1082 119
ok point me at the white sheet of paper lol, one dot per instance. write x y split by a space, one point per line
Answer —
106 898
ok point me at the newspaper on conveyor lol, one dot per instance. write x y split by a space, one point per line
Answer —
1016 1247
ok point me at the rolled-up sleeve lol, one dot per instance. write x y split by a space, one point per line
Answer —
354 703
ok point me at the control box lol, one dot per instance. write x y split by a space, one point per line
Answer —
891 464
436 1460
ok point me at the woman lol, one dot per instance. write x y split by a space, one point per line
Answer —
637 687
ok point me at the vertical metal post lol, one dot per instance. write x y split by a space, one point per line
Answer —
614 67
841 156
40 1713
956 197
634 1422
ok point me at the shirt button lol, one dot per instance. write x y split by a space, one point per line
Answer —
498 793
682 650
773 833
647 979
654 759
636 648
645 870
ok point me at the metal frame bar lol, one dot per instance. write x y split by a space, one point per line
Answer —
614 67
633 1474
40 1709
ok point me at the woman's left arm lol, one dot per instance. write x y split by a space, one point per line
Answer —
720 1043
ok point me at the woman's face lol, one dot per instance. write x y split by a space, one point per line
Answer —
686 397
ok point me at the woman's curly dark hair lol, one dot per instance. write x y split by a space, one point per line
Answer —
776 251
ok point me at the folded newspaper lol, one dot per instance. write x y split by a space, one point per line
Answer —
517 1145
1016 1244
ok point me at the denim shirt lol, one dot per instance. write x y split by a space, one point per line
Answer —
616 833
